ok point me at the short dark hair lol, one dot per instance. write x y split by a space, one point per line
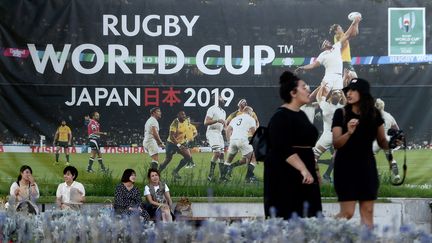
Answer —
182 111
153 110
126 174
288 82
72 170
152 170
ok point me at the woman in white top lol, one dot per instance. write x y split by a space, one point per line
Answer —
25 191
157 194
70 194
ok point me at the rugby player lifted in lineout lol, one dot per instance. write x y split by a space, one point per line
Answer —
331 59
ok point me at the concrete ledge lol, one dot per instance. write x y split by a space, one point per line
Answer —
416 211
398 212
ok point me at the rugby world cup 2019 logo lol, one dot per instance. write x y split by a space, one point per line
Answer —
407 22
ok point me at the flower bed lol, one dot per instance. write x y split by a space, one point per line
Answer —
103 226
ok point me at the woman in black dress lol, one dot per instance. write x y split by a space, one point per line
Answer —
354 128
290 179
127 197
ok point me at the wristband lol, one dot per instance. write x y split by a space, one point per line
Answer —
178 145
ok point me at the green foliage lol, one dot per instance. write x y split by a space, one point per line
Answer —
103 184
194 181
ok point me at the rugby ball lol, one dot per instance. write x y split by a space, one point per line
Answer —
353 15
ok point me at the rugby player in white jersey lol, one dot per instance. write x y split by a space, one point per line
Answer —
310 111
215 122
238 132
241 105
152 140
331 59
325 142
389 123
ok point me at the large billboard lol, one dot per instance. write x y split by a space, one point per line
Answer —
65 59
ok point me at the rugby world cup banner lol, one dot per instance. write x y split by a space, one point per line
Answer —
407 32
66 59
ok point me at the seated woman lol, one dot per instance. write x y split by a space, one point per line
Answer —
127 197
25 191
70 194
157 194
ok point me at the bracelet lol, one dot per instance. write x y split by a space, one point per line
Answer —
33 185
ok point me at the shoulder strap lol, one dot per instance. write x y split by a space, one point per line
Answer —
152 191
343 116
162 186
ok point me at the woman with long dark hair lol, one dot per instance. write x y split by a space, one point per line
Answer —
24 192
354 129
25 188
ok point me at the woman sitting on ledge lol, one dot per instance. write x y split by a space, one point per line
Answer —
157 194
70 194
127 197
24 192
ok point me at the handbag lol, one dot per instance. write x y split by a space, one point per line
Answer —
183 208
259 142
